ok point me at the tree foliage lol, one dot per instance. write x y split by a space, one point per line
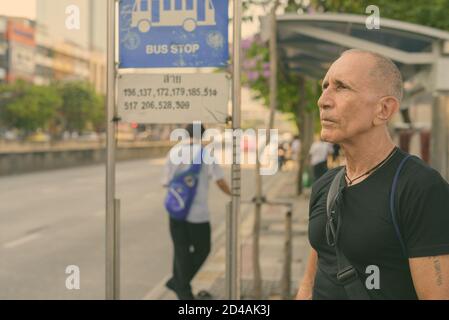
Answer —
428 13
71 106
29 107
257 74
80 106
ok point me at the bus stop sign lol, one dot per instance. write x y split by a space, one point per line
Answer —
173 33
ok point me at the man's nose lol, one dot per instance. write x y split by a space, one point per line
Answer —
325 101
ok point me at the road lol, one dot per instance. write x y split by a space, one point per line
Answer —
54 219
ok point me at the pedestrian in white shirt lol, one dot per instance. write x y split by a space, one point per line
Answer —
191 237
319 151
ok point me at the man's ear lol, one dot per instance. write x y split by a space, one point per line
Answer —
386 108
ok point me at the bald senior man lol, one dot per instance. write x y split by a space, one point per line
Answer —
379 226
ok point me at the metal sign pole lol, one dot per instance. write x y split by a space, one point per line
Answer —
233 247
112 205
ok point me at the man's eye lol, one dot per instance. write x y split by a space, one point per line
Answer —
341 86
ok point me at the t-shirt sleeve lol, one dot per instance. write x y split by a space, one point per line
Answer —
168 172
312 149
215 171
425 218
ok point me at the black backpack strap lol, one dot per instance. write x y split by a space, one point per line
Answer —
347 275
392 205
333 191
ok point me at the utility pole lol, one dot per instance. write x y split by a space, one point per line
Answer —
232 236
259 199
112 204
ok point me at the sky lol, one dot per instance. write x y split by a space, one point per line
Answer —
21 8
52 14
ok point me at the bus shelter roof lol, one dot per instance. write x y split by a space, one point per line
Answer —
309 43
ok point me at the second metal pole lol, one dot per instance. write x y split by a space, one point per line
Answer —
112 206
233 247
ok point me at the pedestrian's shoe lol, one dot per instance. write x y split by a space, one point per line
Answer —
170 284
204 295
188 295
185 295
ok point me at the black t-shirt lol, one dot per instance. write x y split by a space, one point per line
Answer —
367 235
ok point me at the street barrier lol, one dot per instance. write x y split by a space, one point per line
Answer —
18 162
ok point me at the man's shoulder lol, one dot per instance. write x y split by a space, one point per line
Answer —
417 175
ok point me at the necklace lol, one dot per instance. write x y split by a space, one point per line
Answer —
372 169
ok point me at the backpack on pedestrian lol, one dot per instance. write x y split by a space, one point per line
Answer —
182 190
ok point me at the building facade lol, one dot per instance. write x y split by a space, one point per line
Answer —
17 48
29 53
3 50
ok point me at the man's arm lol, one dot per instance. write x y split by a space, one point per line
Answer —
222 184
431 277
306 284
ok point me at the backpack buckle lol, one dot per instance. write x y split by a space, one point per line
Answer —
347 275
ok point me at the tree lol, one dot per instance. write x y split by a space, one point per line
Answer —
80 106
98 116
427 13
299 102
29 107
64 106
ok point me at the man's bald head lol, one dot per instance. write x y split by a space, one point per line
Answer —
384 72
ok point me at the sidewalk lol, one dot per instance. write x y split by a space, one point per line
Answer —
211 277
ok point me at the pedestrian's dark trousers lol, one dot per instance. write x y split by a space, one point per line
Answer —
319 169
192 243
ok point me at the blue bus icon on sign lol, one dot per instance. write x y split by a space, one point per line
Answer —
173 33
189 14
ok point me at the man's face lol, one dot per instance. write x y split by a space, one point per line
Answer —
349 98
